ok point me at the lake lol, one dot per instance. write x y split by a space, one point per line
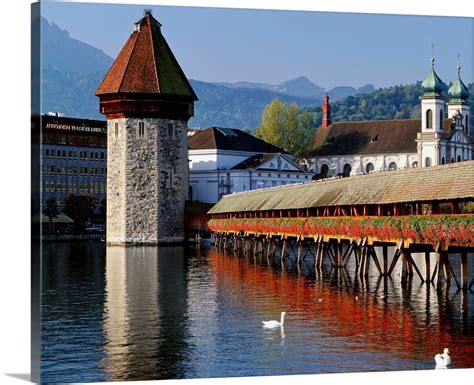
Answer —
169 312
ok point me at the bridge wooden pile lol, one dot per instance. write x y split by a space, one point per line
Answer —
420 210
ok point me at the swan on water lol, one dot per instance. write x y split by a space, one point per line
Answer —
443 359
273 323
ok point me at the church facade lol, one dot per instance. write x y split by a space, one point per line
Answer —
442 135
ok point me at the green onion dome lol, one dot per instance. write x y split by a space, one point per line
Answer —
458 92
433 85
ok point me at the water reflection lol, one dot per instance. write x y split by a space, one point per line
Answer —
137 313
145 295
411 321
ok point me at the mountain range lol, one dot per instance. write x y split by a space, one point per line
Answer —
302 87
71 71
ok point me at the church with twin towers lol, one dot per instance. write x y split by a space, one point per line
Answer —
443 134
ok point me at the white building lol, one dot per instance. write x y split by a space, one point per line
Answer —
224 160
345 148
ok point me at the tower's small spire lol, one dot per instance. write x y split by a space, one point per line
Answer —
432 62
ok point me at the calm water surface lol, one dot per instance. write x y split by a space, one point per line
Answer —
138 313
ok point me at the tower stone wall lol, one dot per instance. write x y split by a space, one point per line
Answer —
147 185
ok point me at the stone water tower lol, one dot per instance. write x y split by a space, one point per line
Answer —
147 101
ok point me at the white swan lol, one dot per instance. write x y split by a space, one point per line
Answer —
273 323
443 359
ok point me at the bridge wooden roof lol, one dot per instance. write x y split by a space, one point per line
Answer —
438 183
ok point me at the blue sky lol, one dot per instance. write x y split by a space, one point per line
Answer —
273 46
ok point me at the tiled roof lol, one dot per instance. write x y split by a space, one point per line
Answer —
254 161
438 183
146 65
231 139
367 137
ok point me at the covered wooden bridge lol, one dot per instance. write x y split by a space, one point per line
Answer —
428 210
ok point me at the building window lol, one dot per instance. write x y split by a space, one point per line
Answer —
427 161
392 166
414 164
346 171
324 170
116 129
443 161
441 120
102 155
459 158
141 129
170 130
429 119
369 167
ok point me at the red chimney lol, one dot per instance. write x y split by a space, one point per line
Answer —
326 112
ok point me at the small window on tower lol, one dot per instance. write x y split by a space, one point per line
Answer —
170 130
429 119
141 129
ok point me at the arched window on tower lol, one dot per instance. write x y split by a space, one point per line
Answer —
369 168
392 166
429 119
427 161
441 120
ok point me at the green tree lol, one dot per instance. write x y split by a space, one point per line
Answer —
80 208
51 211
287 126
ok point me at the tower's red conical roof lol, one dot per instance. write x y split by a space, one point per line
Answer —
146 65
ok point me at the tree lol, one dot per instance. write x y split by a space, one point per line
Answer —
51 211
80 208
286 126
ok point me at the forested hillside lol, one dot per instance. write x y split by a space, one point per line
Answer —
397 102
